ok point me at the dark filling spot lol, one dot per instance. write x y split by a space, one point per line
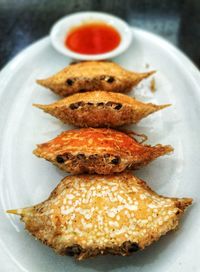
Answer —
60 159
100 104
82 90
69 82
73 250
67 156
90 104
109 104
93 157
116 160
133 247
81 103
74 106
118 106
81 157
130 247
110 79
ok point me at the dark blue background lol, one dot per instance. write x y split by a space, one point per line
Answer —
25 21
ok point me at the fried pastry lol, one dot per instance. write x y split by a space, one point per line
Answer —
93 75
98 150
100 109
94 215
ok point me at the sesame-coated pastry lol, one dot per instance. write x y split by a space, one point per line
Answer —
93 75
93 215
98 150
100 109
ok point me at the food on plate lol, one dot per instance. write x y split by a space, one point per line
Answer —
93 75
94 215
98 150
100 109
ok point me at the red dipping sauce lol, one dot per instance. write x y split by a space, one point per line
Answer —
93 38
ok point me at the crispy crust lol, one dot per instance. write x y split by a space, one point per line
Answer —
93 75
100 109
101 151
69 221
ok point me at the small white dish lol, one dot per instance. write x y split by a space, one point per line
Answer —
61 28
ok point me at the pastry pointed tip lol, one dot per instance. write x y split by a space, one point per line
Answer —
183 203
167 149
35 151
17 211
151 108
42 82
23 211
161 150
147 74
165 106
160 107
39 106
140 76
39 81
151 72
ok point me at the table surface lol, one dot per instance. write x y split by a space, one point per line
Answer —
25 21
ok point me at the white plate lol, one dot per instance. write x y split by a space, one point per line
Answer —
26 180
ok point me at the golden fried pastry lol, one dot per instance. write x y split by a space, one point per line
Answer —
98 150
93 75
100 109
87 216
